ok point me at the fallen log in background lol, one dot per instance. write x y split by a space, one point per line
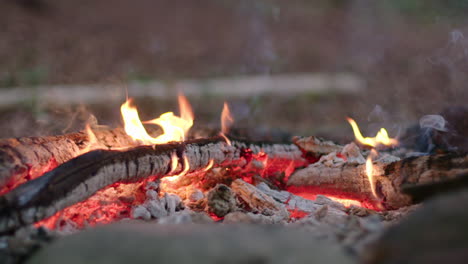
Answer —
22 159
79 178
350 180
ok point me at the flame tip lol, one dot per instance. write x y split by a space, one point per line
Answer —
175 128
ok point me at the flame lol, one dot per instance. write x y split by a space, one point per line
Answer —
225 138
226 122
209 166
166 180
381 138
92 140
370 171
174 163
175 128
226 119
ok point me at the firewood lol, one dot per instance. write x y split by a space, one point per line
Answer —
316 146
22 159
424 191
349 180
79 178
258 200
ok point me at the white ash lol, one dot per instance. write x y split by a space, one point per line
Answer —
294 202
156 206
195 195
186 217
153 185
152 194
329 160
353 154
360 232
251 218
387 158
140 212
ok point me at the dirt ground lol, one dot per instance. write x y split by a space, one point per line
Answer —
413 60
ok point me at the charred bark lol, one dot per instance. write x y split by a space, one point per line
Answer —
351 181
81 177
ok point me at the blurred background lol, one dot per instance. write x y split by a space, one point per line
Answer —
297 66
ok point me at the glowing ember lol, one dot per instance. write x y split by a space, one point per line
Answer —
370 171
346 202
174 127
107 205
381 138
346 199
296 213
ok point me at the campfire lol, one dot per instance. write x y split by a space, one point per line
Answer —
156 170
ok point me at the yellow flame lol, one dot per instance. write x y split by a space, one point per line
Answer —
176 177
210 164
381 138
175 128
370 171
174 163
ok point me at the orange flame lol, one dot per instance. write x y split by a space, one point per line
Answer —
370 171
226 119
175 128
381 138
226 122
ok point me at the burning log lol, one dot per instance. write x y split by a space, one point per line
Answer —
22 159
79 178
349 180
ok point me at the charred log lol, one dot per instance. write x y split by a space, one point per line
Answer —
422 192
351 181
79 178
22 159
